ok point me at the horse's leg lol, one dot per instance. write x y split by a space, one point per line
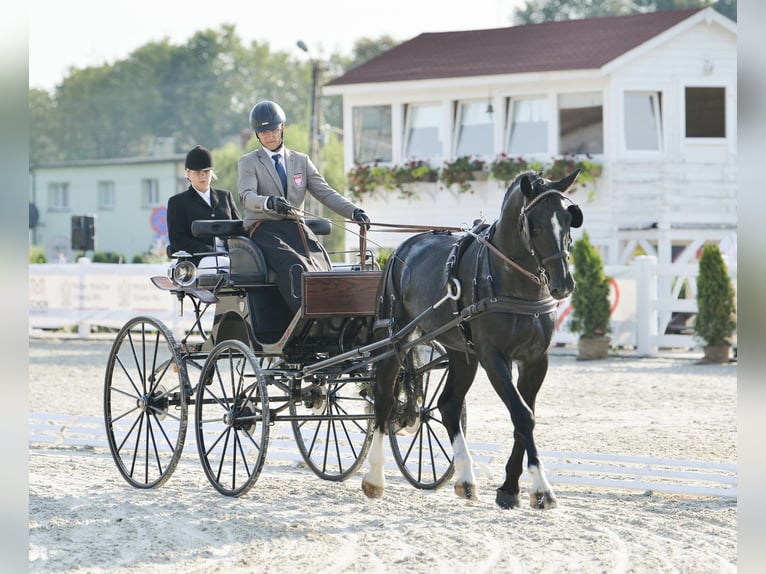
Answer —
531 377
522 416
374 481
459 380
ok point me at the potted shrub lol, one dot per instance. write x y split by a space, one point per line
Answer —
590 301
716 312
462 171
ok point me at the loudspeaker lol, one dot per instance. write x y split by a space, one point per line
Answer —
83 233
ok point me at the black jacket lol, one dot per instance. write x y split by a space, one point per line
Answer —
188 206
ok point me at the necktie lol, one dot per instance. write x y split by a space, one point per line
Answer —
280 171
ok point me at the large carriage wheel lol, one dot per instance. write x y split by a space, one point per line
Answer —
419 440
145 402
333 425
232 418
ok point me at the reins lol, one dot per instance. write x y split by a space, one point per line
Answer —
483 240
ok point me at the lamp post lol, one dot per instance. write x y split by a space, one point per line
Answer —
312 205
315 107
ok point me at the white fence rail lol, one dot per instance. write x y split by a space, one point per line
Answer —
696 478
645 301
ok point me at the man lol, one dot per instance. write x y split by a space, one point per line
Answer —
273 182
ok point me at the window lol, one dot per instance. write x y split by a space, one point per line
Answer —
58 196
643 121
422 133
150 192
372 134
705 112
581 123
527 131
474 134
106 195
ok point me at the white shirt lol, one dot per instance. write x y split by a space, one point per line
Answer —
206 196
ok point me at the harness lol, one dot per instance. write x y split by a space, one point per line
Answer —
483 269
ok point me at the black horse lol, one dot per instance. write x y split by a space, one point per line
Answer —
502 283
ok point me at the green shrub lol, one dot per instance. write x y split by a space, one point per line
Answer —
37 255
107 257
716 312
590 301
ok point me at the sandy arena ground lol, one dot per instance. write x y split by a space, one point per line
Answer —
83 517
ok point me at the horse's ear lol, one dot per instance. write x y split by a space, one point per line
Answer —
576 215
526 186
566 182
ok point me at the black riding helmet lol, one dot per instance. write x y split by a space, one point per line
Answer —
199 158
266 116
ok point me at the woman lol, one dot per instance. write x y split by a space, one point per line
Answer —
199 201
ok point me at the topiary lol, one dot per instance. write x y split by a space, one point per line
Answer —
716 314
590 300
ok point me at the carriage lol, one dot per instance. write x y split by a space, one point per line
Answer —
259 365
369 353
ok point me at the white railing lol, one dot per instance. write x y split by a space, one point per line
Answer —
645 301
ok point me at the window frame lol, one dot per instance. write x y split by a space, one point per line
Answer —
510 108
560 135
409 108
150 192
358 134
726 111
59 196
658 99
106 188
460 112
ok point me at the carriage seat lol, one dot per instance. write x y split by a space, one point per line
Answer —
247 263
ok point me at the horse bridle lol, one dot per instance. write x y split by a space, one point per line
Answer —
536 279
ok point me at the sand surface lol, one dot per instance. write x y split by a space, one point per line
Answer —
83 517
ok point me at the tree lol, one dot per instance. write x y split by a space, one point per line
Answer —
536 11
716 314
42 127
590 301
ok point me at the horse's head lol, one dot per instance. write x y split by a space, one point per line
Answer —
546 216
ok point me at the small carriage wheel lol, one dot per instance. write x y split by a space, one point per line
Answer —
231 415
145 402
419 440
333 425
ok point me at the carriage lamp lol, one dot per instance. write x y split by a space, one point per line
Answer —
182 272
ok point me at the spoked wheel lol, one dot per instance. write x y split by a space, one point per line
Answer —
333 425
232 418
145 402
419 439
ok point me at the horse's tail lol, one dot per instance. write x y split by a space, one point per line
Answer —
387 299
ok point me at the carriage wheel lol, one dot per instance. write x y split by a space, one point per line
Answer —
333 426
419 440
145 402
232 418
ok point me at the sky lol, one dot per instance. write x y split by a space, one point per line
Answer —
82 33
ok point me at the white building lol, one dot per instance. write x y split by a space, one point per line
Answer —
651 97
126 197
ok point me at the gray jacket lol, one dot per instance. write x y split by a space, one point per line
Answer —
258 179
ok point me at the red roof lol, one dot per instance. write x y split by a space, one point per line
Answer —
550 46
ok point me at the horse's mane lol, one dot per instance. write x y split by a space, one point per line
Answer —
535 177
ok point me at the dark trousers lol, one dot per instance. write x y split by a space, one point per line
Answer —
290 248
